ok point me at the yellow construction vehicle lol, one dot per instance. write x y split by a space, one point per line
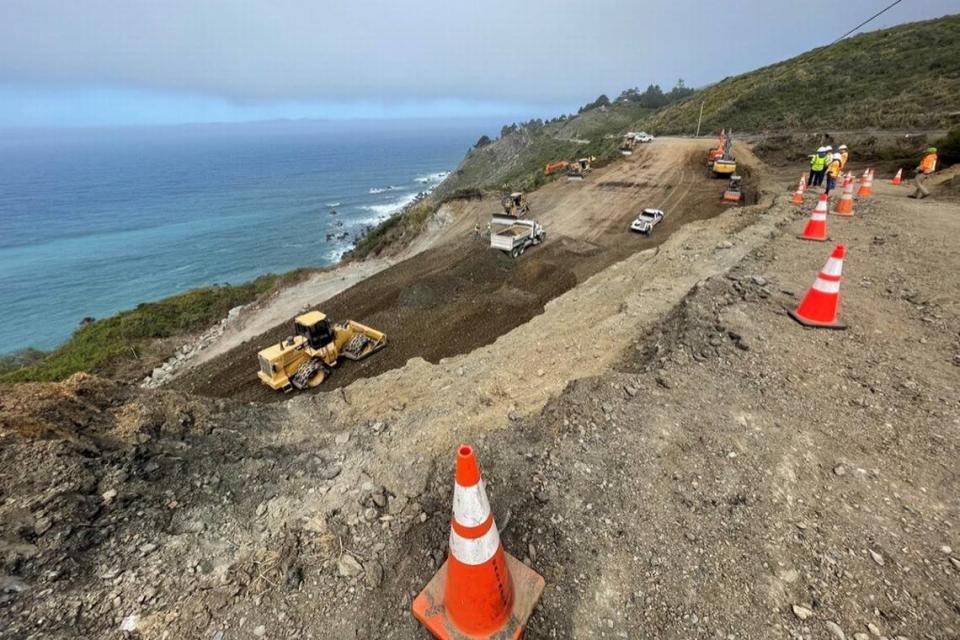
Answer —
579 168
515 204
304 359
725 165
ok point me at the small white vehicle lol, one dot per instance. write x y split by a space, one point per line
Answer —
646 221
514 236
643 137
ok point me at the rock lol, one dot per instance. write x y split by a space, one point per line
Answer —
379 498
260 631
130 623
872 628
840 470
835 630
348 566
330 472
374 573
956 563
342 438
370 514
861 636
759 280
542 496
947 550
109 495
801 612
147 548
726 244
877 557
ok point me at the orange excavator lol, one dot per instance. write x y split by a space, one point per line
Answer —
555 166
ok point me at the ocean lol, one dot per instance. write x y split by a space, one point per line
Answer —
95 221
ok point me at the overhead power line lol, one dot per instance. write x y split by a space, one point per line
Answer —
867 21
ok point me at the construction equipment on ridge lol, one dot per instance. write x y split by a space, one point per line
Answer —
480 591
514 235
628 143
734 192
579 168
818 308
554 166
304 360
515 204
725 164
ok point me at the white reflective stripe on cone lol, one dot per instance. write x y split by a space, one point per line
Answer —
474 551
825 286
470 505
818 215
834 267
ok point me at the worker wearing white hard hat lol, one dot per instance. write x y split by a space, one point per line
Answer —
818 165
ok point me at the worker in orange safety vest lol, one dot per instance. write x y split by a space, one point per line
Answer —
927 166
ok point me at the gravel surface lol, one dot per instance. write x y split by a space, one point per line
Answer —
675 455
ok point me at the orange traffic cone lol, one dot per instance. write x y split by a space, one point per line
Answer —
897 179
845 205
480 591
819 306
798 194
816 228
866 185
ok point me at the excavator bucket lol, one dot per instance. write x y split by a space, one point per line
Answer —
359 340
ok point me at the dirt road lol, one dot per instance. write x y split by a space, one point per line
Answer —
457 294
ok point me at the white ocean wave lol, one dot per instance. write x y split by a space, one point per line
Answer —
333 204
432 177
384 211
383 189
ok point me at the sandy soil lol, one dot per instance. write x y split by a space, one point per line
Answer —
674 454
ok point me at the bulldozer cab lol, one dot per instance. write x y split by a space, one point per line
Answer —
314 327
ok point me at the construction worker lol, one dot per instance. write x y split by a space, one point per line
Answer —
844 156
927 166
818 164
833 171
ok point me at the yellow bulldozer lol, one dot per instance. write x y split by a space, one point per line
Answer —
515 204
579 168
304 360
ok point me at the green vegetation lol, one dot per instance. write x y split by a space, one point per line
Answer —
396 230
127 338
516 160
904 77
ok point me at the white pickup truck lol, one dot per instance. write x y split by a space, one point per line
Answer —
514 236
646 221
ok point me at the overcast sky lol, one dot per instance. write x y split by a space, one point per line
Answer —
69 62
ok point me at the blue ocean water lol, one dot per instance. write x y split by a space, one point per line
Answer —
96 221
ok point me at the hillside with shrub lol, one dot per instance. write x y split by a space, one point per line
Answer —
904 77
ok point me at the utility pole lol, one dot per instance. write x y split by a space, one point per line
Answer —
699 120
